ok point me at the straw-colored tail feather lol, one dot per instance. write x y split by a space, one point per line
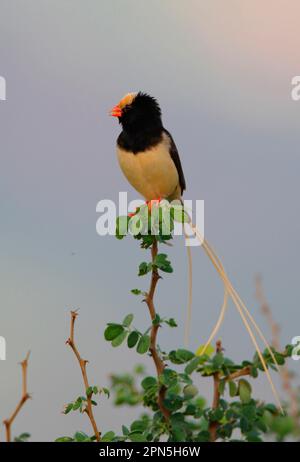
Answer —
190 293
239 304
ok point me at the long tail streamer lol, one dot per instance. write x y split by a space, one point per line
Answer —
190 292
239 304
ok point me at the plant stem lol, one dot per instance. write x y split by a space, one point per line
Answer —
216 397
159 364
25 396
240 373
82 364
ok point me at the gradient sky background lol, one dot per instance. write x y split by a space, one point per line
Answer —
222 72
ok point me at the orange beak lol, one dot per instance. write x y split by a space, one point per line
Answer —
116 111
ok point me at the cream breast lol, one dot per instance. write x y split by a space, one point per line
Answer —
152 172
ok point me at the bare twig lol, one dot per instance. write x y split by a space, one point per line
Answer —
275 330
82 364
25 396
159 364
216 398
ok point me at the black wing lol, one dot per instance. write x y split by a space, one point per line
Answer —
176 159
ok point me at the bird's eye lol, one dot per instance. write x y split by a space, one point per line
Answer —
127 108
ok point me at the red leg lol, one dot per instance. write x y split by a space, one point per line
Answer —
153 202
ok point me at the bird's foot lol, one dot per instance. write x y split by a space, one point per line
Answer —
152 202
131 214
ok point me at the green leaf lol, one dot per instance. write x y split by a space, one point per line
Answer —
279 358
208 350
190 391
222 386
191 409
24 436
245 425
120 339
138 426
253 437
218 360
271 408
225 431
139 369
64 439
233 389
106 391
178 214
173 403
169 377
137 225
149 382
192 365
109 436
143 345
144 268
200 402
178 433
244 391
112 331
121 226
289 350
163 263
173 357
261 426
89 391
68 408
156 320
136 291
216 415
203 436
136 437
184 355
81 436
127 320
76 405
249 411
132 339
283 425
171 322
253 372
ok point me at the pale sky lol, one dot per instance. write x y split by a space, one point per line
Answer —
223 78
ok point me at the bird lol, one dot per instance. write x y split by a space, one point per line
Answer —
146 151
150 161
149 158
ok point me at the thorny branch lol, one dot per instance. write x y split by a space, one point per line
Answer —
25 396
82 363
159 364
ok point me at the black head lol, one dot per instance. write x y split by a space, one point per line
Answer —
138 112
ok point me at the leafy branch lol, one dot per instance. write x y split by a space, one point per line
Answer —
179 413
159 364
